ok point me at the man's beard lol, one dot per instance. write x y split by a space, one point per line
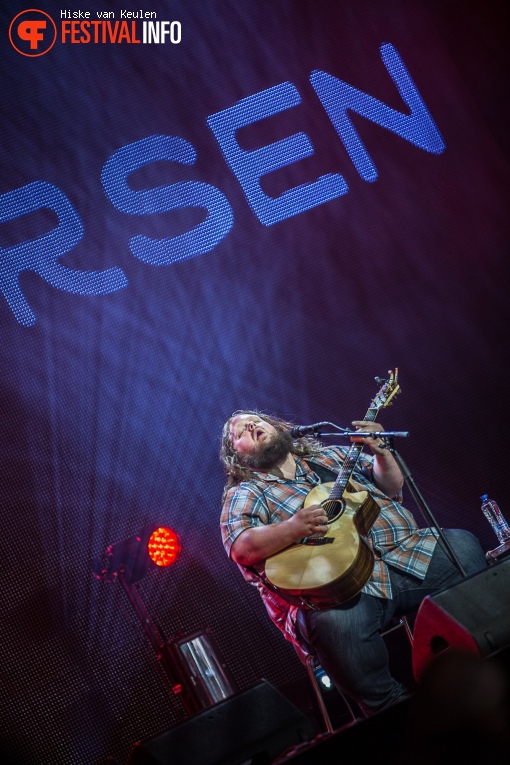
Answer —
271 453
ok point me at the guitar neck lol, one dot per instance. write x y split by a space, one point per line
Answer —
350 461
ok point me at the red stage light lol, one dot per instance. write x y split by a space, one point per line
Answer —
164 546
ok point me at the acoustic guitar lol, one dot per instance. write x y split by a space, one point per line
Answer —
326 570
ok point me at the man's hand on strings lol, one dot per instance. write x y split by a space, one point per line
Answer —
386 472
364 426
309 520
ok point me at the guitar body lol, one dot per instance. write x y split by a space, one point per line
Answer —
328 570
327 574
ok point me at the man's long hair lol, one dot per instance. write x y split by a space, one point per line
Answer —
235 471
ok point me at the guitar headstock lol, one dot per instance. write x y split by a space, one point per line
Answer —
387 392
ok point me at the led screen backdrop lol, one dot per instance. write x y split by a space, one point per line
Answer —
268 207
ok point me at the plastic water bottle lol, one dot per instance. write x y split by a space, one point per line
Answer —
496 519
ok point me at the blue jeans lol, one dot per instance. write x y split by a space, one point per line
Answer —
347 640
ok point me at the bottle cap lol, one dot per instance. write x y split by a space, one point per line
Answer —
484 497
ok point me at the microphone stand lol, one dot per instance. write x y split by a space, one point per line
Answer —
387 437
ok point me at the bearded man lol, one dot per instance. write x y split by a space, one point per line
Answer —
269 475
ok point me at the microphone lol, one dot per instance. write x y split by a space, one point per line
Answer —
298 431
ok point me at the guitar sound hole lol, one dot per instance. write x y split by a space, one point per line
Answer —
334 508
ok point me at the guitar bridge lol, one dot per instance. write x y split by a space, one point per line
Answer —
314 541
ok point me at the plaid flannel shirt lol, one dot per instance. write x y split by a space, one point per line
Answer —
394 538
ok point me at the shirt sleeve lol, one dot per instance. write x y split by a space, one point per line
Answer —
244 508
366 465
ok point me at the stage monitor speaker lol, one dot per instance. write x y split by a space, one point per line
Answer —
473 616
256 725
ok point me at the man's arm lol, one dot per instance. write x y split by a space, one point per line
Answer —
386 472
256 544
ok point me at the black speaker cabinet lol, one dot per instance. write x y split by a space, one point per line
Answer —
474 616
258 724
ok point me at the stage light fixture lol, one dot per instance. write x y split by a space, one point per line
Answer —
131 558
164 546
190 665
